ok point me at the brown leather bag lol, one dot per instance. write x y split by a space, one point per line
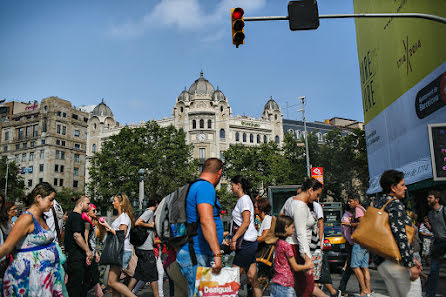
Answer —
374 234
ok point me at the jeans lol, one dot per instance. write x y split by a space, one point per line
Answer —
397 280
188 270
360 257
281 291
437 253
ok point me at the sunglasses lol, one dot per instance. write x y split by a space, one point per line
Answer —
94 210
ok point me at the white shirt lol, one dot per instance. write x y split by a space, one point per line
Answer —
124 219
266 224
245 203
303 223
317 208
50 218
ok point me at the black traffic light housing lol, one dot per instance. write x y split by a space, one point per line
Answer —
237 23
303 15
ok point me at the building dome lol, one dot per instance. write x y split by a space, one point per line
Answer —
184 96
102 110
201 86
271 105
218 95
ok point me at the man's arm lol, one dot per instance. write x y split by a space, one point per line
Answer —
81 242
206 214
140 222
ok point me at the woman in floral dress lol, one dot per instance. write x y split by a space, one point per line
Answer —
35 270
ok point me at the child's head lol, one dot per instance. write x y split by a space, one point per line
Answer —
284 226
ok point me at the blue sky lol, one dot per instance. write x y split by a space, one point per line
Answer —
139 55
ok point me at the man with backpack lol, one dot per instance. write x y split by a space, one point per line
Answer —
437 220
146 270
360 256
203 207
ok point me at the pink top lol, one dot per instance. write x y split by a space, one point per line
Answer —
283 274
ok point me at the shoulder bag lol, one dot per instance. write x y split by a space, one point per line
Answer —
374 234
113 249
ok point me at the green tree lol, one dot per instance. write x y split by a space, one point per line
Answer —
65 198
16 184
161 150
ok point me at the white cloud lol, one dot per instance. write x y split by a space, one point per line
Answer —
185 15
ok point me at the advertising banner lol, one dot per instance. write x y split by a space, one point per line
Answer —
318 173
403 77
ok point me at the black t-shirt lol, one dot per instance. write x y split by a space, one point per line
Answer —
74 224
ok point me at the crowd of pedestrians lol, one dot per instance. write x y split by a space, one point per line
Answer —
41 255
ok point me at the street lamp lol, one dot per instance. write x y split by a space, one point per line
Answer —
6 176
306 135
141 186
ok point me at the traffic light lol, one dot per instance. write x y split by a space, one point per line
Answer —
238 35
303 15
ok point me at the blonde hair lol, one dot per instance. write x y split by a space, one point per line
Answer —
126 206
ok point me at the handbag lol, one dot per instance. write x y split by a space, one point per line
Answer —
113 249
374 234
238 245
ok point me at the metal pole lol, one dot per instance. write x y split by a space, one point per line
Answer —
307 154
141 187
355 15
6 179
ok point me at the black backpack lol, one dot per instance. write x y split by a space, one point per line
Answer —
138 235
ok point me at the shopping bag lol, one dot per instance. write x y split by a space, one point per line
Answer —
113 249
226 283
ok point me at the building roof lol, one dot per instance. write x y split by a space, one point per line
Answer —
201 86
102 110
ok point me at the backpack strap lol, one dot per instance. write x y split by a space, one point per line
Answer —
56 224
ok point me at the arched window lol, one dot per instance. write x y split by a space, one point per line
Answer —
265 139
201 124
244 137
277 139
222 133
319 137
181 109
237 136
221 108
251 138
298 134
275 117
194 124
258 138
209 124
93 148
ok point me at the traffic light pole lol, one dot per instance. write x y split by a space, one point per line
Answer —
355 15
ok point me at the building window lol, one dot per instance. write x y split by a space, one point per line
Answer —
43 141
17 146
33 143
57 154
62 155
17 158
61 168
58 129
57 141
244 137
5 148
31 156
76 133
258 138
85 119
28 131
202 153
75 116
275 116
194 124
30 182
44 126
222 133
77 146
209 124
64 130
221 108
55 181
23 157
320 138
56 168
35 130
41 167
40 179
93 148
6 135
251 138
277 139
76 157
63 142
64 114
61 182
75 183
298 134
265 139
222 156
42 154
201 124
237 136
25 145
21 131
59 113
75 171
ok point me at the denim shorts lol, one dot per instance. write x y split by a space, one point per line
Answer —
126 256
360 257
281 291
188 270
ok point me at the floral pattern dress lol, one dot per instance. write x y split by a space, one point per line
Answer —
35 270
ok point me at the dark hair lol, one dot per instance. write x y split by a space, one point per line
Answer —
3 214
311 183
390 178
434 193
355 197
212 165
244 182
9 205
43 189
282 222
152 202
263 205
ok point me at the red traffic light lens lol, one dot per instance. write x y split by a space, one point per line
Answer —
237 13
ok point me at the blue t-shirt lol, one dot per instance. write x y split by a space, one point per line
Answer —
202 192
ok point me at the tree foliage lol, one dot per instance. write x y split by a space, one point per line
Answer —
16 184
65 198
162 151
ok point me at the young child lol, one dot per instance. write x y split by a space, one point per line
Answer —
282 284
